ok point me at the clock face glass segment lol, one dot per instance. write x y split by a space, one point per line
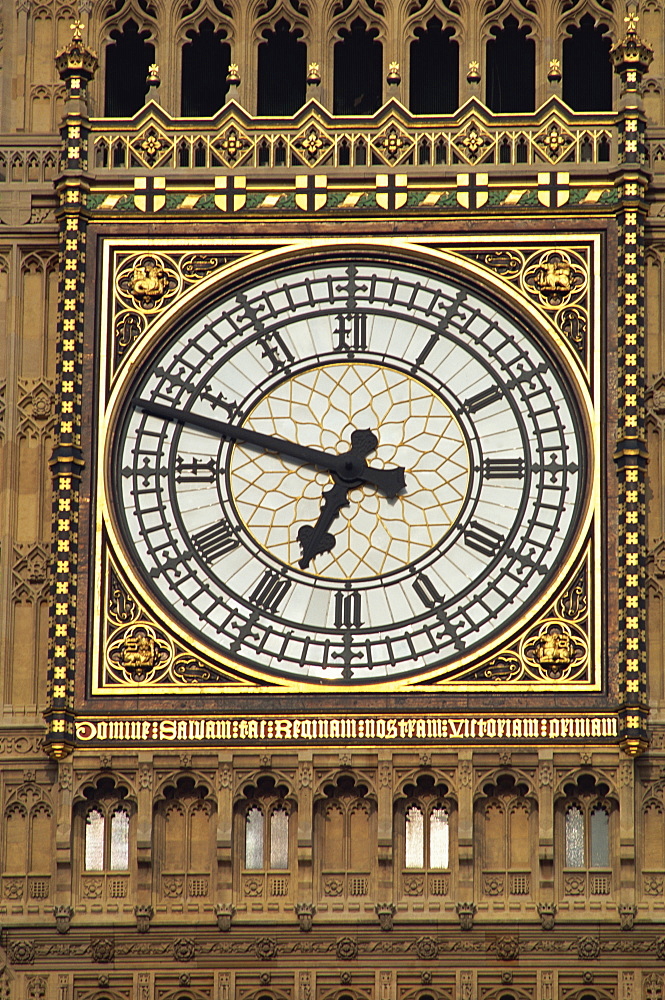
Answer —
226 533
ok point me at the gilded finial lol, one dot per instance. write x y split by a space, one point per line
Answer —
233 75
473 74
630 20
77 27
314 74
153 75
394 76
554 72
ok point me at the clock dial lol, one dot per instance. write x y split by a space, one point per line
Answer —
351 470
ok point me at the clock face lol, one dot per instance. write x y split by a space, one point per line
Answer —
349 470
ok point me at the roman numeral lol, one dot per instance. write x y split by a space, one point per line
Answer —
482 398
357 333
483 539
215 541
347 609
503 468
426 591
275 350
195 471
270 591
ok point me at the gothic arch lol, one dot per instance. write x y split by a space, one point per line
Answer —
334 23
252 781
332 778
92 782
191 20
174 778
281 11
433 8
496 17
572 778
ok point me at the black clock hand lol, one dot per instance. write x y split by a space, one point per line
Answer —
316 540
350 467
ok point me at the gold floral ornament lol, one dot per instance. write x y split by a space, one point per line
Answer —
473 73
392 144
233 75
137 652
152 146
313 143
471 142
153 79
554 141
556 651
232 145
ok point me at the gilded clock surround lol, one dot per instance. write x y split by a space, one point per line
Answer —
558 645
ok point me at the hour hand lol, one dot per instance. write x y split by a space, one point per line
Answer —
316 540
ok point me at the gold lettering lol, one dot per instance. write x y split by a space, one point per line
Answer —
595 727
182 730
391 729
167 729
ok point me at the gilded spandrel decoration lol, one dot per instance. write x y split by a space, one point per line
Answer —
555 648
146 283
557 280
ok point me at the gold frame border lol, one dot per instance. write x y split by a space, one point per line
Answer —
421 249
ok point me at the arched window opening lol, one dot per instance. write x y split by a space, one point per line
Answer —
282 71
106 828
511 68
587 69
254 823
279 838
415 838
119 840
358 71
127 60
439 838
574 835
600 837
264 814
586 856
434 71
423 821
205 64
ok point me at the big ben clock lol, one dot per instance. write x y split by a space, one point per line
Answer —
348 465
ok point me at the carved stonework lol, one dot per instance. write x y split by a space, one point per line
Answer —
36 408
31 573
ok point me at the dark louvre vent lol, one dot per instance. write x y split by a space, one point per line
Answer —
358 71
434 83
587 71
511 69
282 71
205 63
127 60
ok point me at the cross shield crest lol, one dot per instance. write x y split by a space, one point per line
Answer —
149 193
311 192
230 192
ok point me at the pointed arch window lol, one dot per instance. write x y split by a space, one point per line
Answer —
587 68
128 57
506 820
511 68
184 841
587 845
434 70
106 840
205 65
265 824
358 70
282 68
427 837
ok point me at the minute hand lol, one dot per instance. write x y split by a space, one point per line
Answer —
349 467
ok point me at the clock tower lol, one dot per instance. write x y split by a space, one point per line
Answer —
333 651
